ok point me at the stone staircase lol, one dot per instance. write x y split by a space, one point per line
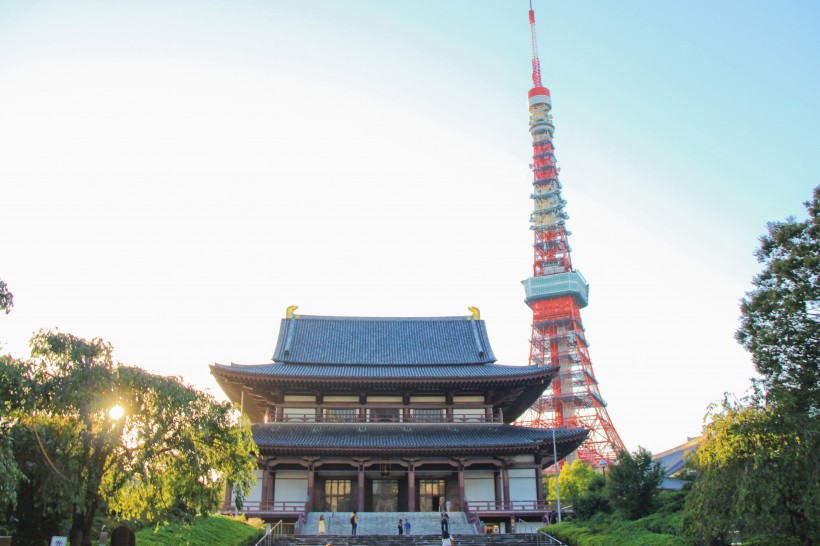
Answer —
517 539
385 523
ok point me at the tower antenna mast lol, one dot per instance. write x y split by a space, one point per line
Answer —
536 62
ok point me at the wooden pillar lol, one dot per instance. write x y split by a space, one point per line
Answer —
539 483
497 488
460 505
361 488
310 487
265 487
411 487
505 485
227 504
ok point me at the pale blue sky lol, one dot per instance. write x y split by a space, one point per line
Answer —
174 174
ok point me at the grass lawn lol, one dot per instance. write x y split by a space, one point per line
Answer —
205 531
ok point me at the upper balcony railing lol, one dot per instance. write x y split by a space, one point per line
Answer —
286 508
482 506
312 417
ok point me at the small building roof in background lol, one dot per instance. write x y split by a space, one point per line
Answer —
673 460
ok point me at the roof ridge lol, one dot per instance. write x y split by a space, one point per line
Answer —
394 319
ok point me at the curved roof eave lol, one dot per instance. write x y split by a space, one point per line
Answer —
403 440
319 373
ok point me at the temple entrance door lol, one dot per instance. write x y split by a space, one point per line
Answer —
385 496
338 495
430 494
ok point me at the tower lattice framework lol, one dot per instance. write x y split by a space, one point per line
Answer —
556 293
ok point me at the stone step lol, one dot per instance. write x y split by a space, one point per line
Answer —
385 523
518 539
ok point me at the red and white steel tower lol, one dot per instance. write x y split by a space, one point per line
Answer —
556 292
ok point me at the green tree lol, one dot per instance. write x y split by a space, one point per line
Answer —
6 298
757 472
12 393
780 317
759 469
573 480
172 452
593 500
632 483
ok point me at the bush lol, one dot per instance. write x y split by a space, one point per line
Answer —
594 502
632 484
606 530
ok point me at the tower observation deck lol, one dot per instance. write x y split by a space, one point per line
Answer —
556 292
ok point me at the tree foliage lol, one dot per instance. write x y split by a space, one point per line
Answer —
12 393
632 483
171 453
757 473
780 317
593 500
6 298
573 481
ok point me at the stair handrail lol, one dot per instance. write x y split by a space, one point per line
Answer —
277 529
527 525
300 523
265 540
473 519
545 539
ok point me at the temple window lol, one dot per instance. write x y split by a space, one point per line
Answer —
384 415
469 415
340 415
428 415
338 495
299 414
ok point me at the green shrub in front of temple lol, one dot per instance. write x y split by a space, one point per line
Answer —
204 531
608 529
597 524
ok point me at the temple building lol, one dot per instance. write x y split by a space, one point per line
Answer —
393 415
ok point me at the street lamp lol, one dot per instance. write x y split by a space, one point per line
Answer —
555 465
602 463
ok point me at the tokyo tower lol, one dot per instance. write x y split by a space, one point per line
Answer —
556 292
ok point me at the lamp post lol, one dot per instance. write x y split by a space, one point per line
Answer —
555 465
603 464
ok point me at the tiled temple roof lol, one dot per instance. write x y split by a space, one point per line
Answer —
384 439
360 355
309 339
381 372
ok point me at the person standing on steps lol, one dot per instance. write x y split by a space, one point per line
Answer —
354 523
322 524
401 527
447 504
407 527
445 523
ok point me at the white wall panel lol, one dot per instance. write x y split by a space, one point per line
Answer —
256 493
478 486
523 484
290 485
